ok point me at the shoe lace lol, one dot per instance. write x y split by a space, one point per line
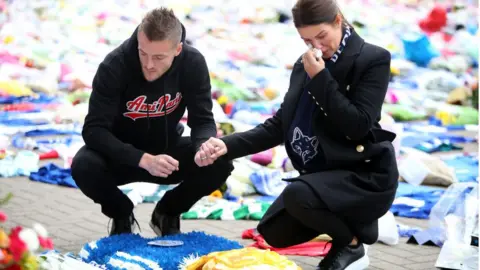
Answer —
135 222
176 222
332 255
171 222
131 221
337 255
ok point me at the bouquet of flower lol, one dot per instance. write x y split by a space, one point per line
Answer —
19 247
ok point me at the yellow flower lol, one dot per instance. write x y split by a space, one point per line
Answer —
4 240
30 262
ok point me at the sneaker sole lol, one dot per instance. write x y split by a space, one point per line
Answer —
359 264
155 229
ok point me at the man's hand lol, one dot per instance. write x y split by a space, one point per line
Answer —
160 166
210 151
312 65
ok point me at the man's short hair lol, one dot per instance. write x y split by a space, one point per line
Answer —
161 24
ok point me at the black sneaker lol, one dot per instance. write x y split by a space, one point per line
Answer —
121 226
326 261
164 225
346 258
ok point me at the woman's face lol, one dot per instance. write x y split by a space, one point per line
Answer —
325 36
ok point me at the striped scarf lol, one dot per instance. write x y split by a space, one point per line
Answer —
347 33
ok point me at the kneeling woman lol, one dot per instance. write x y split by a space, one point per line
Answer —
329 123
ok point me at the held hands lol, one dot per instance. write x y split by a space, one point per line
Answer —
312 65
210 151
160 165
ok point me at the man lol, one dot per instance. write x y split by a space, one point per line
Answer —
132 131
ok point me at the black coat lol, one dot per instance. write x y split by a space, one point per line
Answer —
361 175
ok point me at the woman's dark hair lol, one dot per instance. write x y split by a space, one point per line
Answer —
313 12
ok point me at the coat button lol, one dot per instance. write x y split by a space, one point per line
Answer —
320 107
367 161
309 93
318 104
325 114
360 148
348 138
348 87
303 171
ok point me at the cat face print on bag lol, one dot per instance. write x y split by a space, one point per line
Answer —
304 146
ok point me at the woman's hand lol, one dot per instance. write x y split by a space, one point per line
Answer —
210 151
312 65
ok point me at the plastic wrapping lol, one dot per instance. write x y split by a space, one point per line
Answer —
456 214
455 208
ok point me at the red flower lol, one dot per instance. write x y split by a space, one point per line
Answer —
14 267
17 246
16 230
45 243
3 217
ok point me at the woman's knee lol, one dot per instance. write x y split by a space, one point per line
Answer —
296 196
271 235
368 239
366 233
277 231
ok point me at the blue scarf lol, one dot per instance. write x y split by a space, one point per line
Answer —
346 34
330 62
302 144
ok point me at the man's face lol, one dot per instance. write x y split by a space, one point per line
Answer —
156 57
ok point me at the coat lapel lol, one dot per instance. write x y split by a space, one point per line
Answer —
293 94
342 68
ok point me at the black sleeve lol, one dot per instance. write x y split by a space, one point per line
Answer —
261 138
107 88
199 101
353 116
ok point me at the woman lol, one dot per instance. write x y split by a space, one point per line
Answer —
329 123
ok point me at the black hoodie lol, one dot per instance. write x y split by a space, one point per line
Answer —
118 124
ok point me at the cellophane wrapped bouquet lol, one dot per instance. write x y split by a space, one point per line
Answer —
20 246
31 249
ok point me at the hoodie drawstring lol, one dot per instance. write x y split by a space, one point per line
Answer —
165 116
148 119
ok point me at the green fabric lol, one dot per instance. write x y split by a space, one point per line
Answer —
221 209
233 92
148 193
403 112
208 207
466 116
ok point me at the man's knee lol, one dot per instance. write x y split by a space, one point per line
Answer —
222 168
86 164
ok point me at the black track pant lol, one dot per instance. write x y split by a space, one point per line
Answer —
98 179
306 216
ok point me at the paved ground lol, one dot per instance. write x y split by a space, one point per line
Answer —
73 221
